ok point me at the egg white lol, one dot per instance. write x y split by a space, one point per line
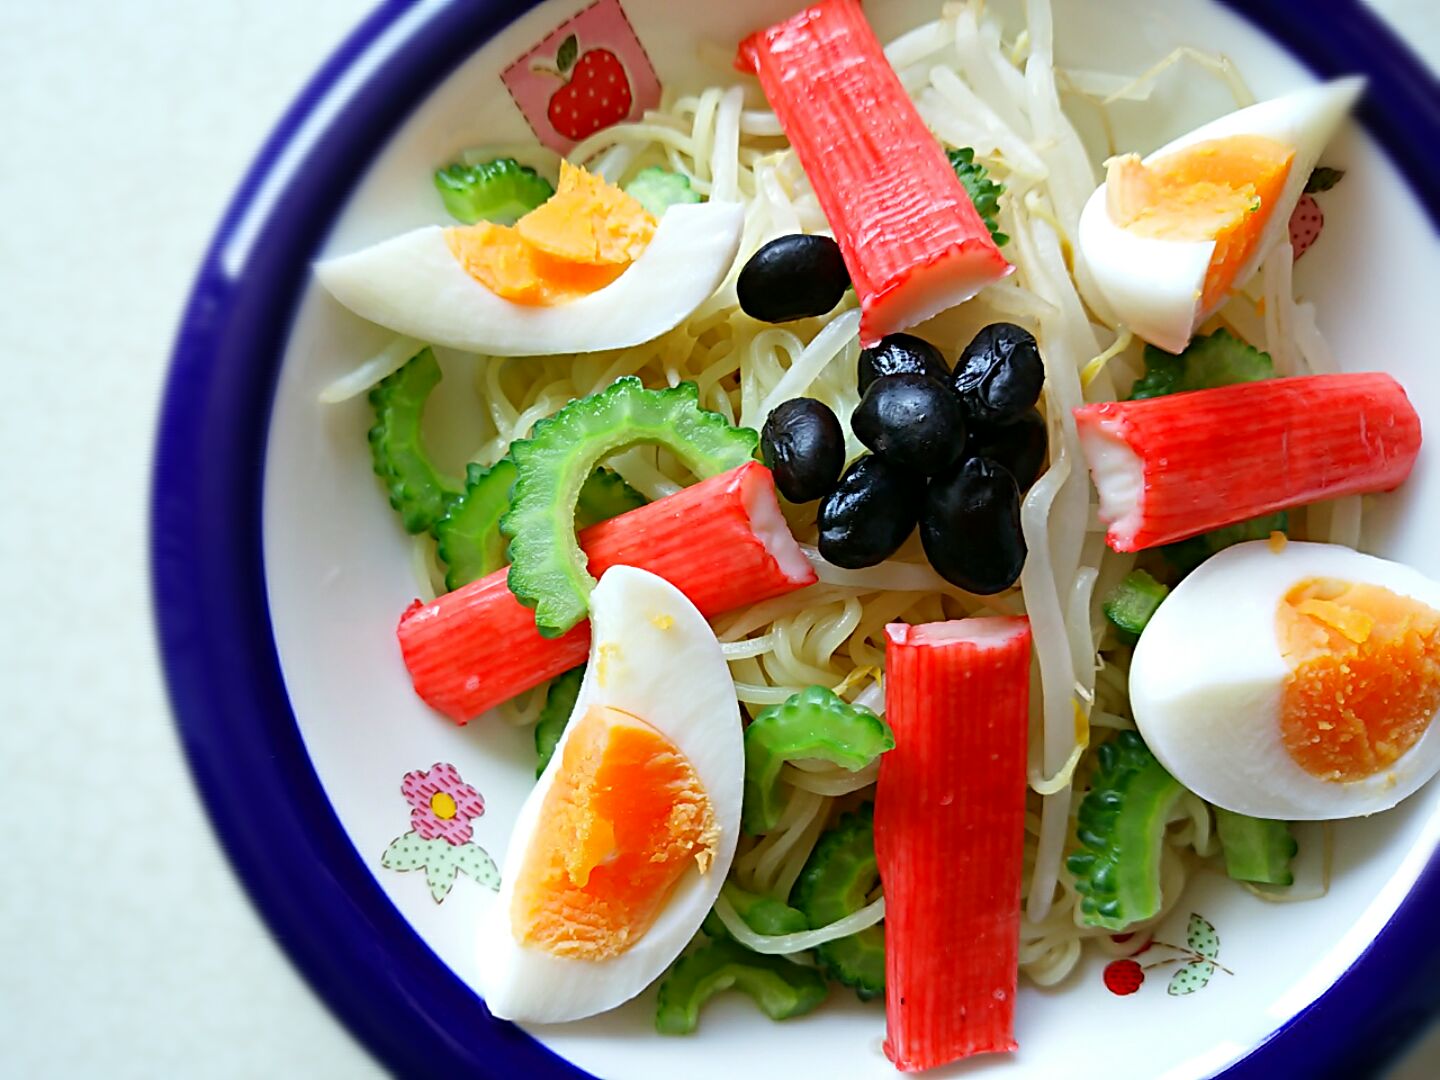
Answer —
414 285
652 655
1154 286
1207 679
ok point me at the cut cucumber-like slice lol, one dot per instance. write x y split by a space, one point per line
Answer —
547 568
837 880
418 490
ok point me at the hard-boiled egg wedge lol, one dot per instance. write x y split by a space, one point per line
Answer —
589 269
1168 238
1295 682
620 850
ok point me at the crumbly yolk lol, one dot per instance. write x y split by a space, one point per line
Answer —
625 818
1223 190
578 241
1365 676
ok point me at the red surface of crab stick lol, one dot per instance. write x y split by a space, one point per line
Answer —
1175 466
950 836
723 542
911 237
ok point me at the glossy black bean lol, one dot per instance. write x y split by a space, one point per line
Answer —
870 514
804 446
1021 445
900 354
970 527
793 277
1000 374
911 421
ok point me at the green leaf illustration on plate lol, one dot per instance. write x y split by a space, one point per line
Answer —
1193 976
441 872
406 852
569 51
474 860
1201 936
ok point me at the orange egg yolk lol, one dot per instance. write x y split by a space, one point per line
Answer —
578 241
1223 190
625 818
1365 676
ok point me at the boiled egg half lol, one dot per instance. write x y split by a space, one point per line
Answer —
1296 682
620 849
589 269
1169 237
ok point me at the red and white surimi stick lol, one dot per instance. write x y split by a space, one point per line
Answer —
722 542
912 240
950 836
1171 467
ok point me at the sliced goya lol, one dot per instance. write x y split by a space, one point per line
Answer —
418 490
559 704
837 881
547 567
763 914
501 191
605 495
815 723
469 540
1256 849
1186 555
1121 828
1132 603
468 537
780 988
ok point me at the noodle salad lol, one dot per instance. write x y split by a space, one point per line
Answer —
997 636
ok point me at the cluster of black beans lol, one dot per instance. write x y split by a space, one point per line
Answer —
952 452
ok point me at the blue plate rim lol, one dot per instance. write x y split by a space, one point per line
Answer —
226 689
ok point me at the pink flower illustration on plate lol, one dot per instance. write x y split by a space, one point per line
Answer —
442 805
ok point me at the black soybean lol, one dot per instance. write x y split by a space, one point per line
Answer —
970 527
1000 374
793 277
900 354
911 421
1020 445
870 514
804 446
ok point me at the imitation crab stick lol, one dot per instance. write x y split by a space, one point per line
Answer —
912 240
950 836
722 542
1172 467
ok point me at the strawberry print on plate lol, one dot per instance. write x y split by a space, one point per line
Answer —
589 73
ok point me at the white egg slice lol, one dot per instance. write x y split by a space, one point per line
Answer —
1210 685
414 285
654 657
1155 285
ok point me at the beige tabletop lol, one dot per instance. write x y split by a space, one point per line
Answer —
128 947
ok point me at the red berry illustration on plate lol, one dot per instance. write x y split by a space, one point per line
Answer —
1123 976
1305 224
596 93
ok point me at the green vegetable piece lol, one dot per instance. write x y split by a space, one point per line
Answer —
502 191
1323 178
984 192
763 914
547 567
1131 603
1256 849
658 189
605 495
1186 555
417 488
1121 827
1217 359
814 723
837 881
559 704
782 989
468 538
